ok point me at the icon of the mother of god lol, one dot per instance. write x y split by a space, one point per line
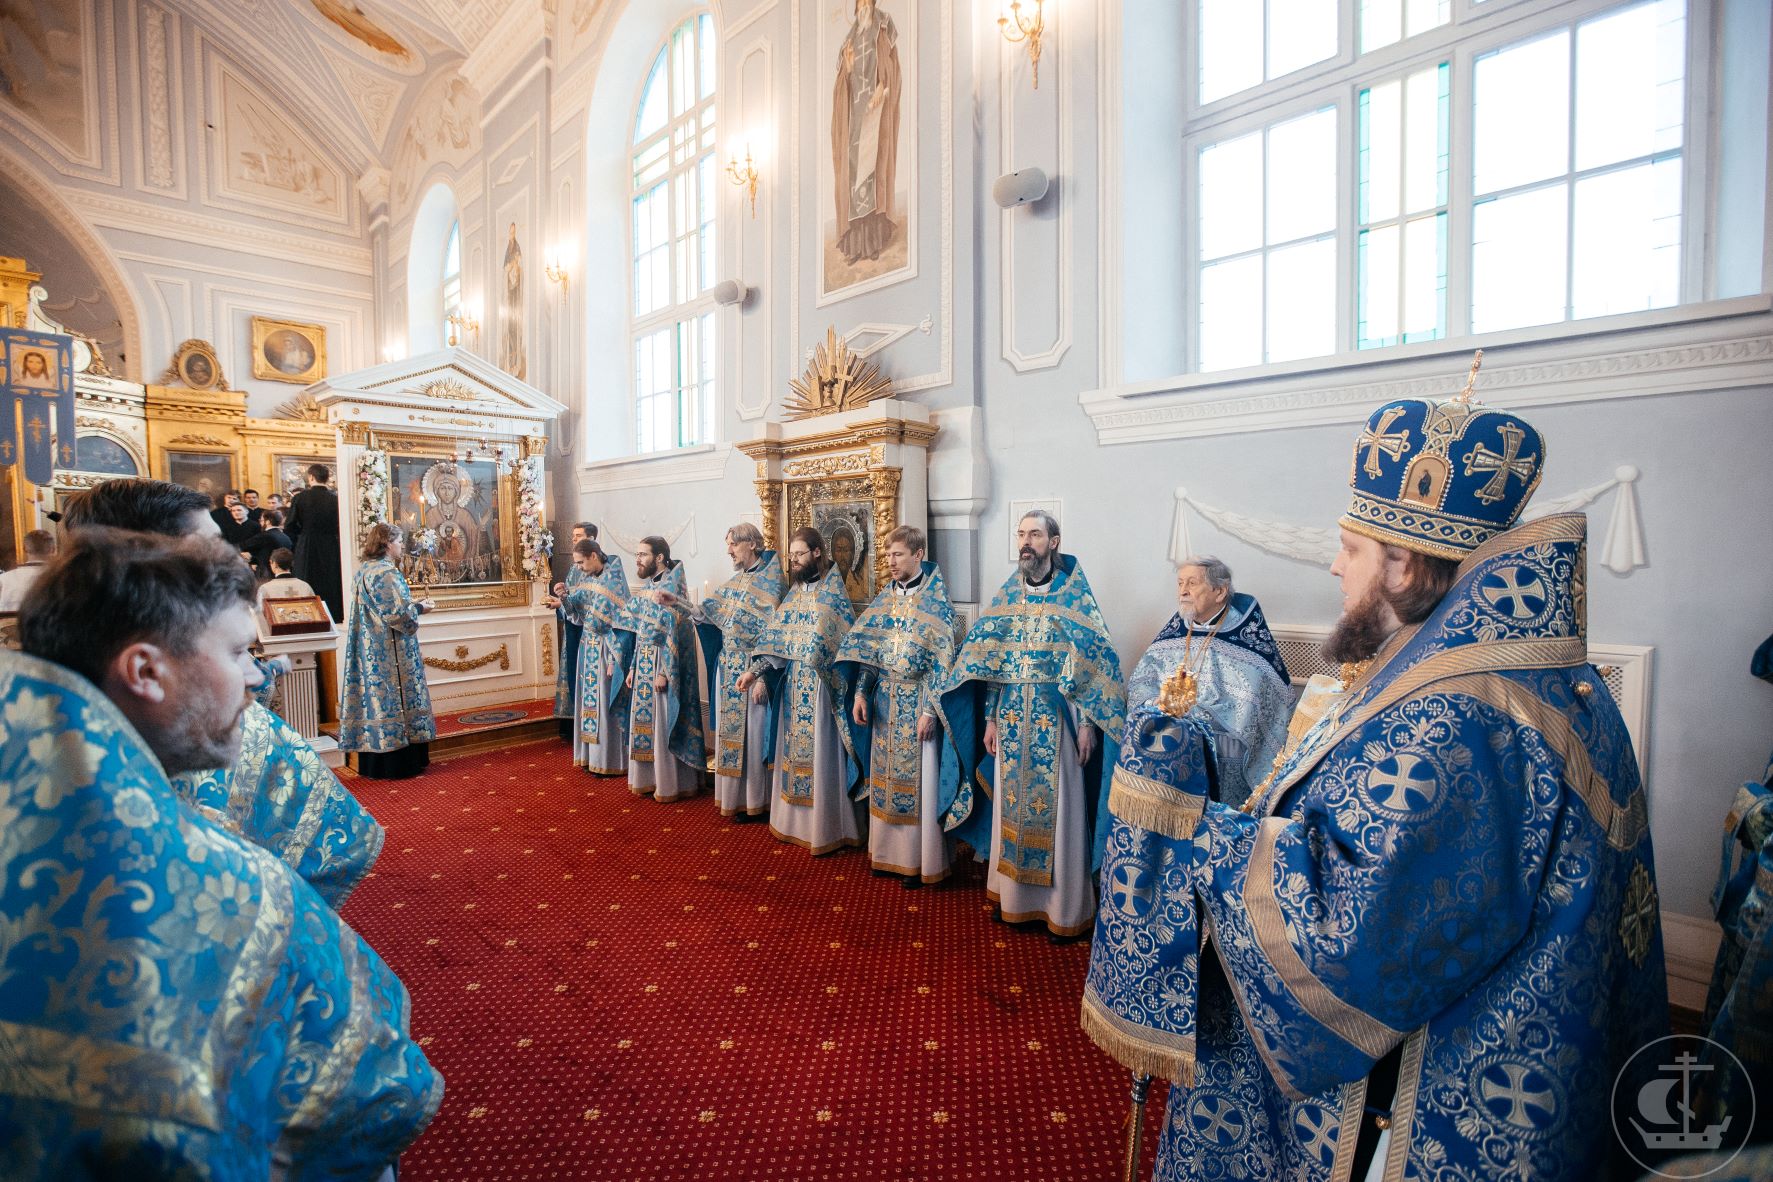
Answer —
449 491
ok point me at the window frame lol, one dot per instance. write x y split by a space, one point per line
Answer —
452 238
1474 28
684 316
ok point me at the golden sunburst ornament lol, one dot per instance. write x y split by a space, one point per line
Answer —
836 379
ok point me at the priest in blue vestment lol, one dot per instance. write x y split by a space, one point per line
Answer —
177 1002
385 711
277 793
571 630
1435 940
810 747
729 622
1034 706
666 754
597 603
894 656
1221 637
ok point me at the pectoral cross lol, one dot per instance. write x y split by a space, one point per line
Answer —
1382 440
1482 459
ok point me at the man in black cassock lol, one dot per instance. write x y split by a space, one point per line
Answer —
313 523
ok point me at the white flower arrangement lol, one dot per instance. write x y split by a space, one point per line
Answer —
423 541
538 543
372 489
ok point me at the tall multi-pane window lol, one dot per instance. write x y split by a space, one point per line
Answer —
452 278
1496 167
673 200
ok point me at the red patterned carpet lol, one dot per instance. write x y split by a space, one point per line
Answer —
619 989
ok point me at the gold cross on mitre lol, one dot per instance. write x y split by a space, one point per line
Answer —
1383 440
1477 360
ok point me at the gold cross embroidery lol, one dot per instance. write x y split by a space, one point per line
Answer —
1393 445
1482 459
37 425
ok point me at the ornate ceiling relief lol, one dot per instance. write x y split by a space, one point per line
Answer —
263 159
43 71
157 83
375 98
445 127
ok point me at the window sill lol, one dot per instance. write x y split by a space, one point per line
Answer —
680 465
1719 345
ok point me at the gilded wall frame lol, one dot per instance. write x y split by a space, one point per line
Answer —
513 591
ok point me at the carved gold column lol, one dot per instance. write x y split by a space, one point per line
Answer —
885 484
769 496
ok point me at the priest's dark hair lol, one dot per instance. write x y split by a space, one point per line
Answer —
112 588
587 547
588 528
809 537
319 472
148 506
661 550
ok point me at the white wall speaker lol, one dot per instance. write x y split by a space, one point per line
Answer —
730 291
1019 187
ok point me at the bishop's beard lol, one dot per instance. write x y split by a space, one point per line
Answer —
1360 632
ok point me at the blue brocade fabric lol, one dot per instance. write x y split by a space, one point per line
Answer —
1140 994
387 703
805 631
598 603
279 795
175 1002
1739 1005
665 642
1053 643
1455 862
572 629
736 614
1243 688
895 653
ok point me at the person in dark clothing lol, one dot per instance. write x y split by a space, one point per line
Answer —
223 515
313 521
270 538
255 512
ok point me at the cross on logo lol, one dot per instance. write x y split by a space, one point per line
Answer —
1515 591
1509 463
1402 783
1381 440
1513 1090
1215 1119
1318 1131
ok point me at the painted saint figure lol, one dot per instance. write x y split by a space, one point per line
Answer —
511 355
865 133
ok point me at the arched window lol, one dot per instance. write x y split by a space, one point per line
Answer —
672 243
433 270
452 279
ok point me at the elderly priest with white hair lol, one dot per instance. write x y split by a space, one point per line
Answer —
1220 637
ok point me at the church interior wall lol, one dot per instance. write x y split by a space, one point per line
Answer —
148 125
